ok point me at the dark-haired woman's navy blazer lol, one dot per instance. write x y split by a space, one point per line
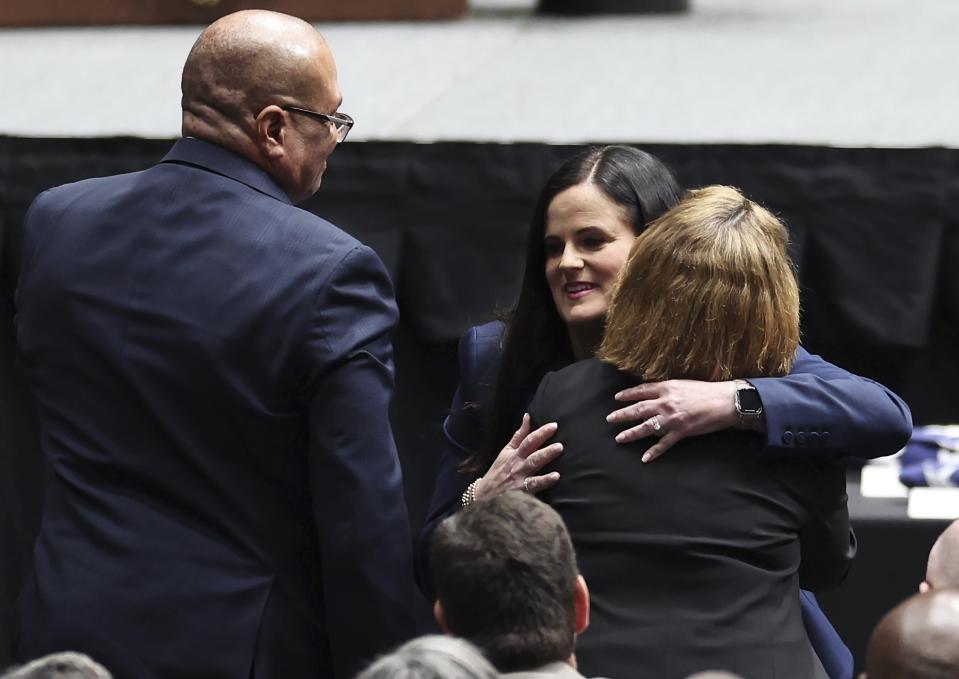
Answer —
820 409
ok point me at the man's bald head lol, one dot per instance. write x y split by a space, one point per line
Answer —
943 568
242 83
247 60
918 639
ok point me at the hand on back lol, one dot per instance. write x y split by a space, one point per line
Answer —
516 466
673 410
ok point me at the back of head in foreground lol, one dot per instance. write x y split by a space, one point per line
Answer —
918 639
942 569
59 666
708 293
432 657
239 80
505 578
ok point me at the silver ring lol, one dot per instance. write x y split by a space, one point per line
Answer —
655 424
526 485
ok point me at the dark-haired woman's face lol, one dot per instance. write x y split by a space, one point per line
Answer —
587 241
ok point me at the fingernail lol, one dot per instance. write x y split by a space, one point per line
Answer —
619 438
610 417
646 457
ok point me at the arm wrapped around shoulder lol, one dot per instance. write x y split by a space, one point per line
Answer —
820 409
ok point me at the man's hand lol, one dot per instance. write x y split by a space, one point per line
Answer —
673 410
519 460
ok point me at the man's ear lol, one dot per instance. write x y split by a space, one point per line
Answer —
924 587
440 616
581 605
270 131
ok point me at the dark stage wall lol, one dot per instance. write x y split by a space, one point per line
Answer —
875 231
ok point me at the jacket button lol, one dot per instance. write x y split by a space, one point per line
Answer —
814 439
824 437
788 438
800 438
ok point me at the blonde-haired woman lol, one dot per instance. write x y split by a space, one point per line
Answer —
695 561
713 290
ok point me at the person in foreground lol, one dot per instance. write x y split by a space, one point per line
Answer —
432 657
918 639
213 368
695 561
585 219
506 580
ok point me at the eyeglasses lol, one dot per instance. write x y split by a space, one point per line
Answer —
342 123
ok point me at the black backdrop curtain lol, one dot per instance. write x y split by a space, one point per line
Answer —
875 238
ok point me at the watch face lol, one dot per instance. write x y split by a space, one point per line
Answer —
749 401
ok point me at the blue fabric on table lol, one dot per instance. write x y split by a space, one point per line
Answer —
931 458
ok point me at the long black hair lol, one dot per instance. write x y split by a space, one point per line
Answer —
536 340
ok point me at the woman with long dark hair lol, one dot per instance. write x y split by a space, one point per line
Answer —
537 337
817 409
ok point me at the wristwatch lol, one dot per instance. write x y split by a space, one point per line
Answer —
749 407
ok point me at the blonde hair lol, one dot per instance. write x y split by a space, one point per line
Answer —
708 293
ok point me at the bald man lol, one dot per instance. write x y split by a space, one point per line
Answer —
942 569
213 368
918 639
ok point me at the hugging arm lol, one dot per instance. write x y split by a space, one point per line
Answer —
823 409
463 432
818 408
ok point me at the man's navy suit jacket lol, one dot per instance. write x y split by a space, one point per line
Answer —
213 368
819 409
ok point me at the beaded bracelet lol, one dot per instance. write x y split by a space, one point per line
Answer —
469 495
